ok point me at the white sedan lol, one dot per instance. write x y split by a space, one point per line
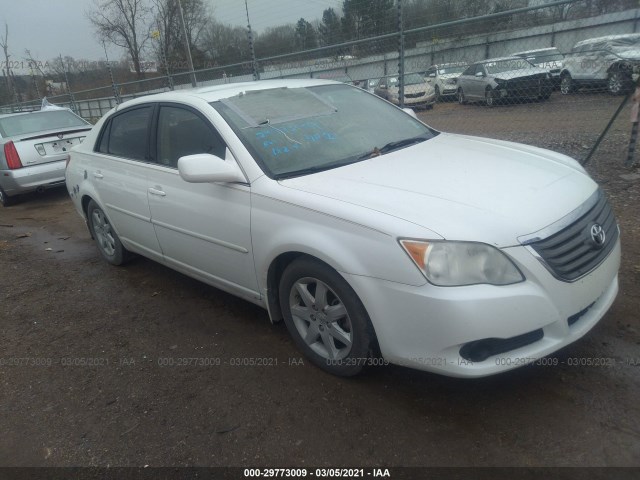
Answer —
376 238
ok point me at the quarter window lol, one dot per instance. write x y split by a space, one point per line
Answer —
182 132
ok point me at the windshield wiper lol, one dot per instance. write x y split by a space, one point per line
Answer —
314 169
391 146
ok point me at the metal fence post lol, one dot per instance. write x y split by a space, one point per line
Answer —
400 55
114 86
72 100
254 63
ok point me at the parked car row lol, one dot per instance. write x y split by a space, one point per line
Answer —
611 62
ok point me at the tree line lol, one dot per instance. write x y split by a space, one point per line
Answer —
152 30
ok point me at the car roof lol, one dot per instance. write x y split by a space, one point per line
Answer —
451 64
498 59
227 90
537 50
607 38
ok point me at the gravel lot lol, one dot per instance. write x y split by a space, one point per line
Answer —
100 385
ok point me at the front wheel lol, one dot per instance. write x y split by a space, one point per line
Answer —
105 236
461 98
619 82
325 317
566 85
489 97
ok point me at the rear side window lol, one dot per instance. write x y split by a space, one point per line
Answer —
181 132
126 134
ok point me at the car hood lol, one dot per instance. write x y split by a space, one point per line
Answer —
511 74
460 187
628 54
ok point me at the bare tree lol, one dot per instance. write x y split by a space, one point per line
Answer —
126 24
197 17
4 43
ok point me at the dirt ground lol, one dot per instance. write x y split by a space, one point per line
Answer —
95 379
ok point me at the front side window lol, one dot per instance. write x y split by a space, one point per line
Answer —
181 132
334 126
127 134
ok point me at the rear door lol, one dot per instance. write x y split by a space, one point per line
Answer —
119 172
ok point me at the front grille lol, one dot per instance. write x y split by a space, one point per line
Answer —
572 252
414 95
524 87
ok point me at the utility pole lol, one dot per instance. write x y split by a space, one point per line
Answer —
188 47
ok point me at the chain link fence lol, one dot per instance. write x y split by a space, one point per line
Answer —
532 74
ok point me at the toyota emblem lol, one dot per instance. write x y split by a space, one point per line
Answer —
598 235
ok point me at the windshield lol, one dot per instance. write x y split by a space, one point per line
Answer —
450 70
624 43
34 122
539 58
409 79
507 65
340 125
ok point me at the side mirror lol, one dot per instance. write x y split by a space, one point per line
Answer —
411 112
479 74
207 168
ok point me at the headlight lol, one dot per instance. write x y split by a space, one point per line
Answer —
451 264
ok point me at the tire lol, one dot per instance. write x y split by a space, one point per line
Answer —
546 93
461 98
567 85
6 200
619 82
106 238
325 318
489 98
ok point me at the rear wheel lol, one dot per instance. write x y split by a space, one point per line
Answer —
325 317
105 236
567 85
5 200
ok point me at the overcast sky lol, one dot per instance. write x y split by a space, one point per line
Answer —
52 27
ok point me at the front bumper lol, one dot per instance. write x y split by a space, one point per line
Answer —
31 178
426 327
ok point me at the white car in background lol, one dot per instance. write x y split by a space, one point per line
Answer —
611 62
417 92
444 78
376 238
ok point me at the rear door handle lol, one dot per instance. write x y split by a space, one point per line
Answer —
98 175
155 191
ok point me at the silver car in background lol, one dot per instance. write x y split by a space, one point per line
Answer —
503 79
34 148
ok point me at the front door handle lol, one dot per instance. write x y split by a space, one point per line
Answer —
155 191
